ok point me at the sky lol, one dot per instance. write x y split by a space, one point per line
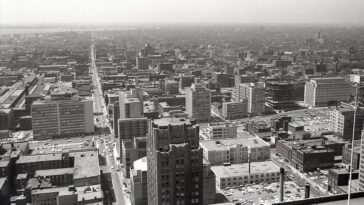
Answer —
181 11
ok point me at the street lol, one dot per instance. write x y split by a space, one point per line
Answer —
298 177
106 143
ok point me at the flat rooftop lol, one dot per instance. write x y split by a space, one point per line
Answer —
4 163
295 124
171 121
141 164
131 100
53 172
223 144
39 158
237 170
86 164
49 190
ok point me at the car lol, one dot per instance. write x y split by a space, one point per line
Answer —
112 167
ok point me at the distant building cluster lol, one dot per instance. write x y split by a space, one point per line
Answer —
181 116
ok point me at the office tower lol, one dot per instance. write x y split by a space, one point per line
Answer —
132 127
171 87
235 110
138 182
185 81
280 95
254 94
321 92
240 79
342 119
65 117
142 63
175 174
131 124
221 79
198 103
147 50
133 149
131 103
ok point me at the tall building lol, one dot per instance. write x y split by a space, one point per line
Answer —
130 128
280 95
138 182
142 63
321 92
185 81
171 87
65 117
241 79
175 174
198 103
131 103
133 149
342 119
254 94
235 110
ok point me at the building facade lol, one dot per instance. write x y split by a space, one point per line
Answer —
242 174
235 151
342 119
142 63
175 174
138 182
321 92
198 103
235 110
56 118
255 96
221 130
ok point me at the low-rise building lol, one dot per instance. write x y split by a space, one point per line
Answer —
340 177
221 130
347 154
308 155
58 177
235 151
235 110
242 174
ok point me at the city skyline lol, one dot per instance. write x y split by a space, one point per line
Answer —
176 11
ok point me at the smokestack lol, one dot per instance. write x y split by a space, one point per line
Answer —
249 167
282 184
249 161
307 191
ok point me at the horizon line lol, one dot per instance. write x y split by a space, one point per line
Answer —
100 24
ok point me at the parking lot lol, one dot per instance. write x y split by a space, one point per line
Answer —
264 194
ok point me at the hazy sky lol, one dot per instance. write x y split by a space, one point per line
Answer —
209 11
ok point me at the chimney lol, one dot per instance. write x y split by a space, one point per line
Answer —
307 191
249 161
281 184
